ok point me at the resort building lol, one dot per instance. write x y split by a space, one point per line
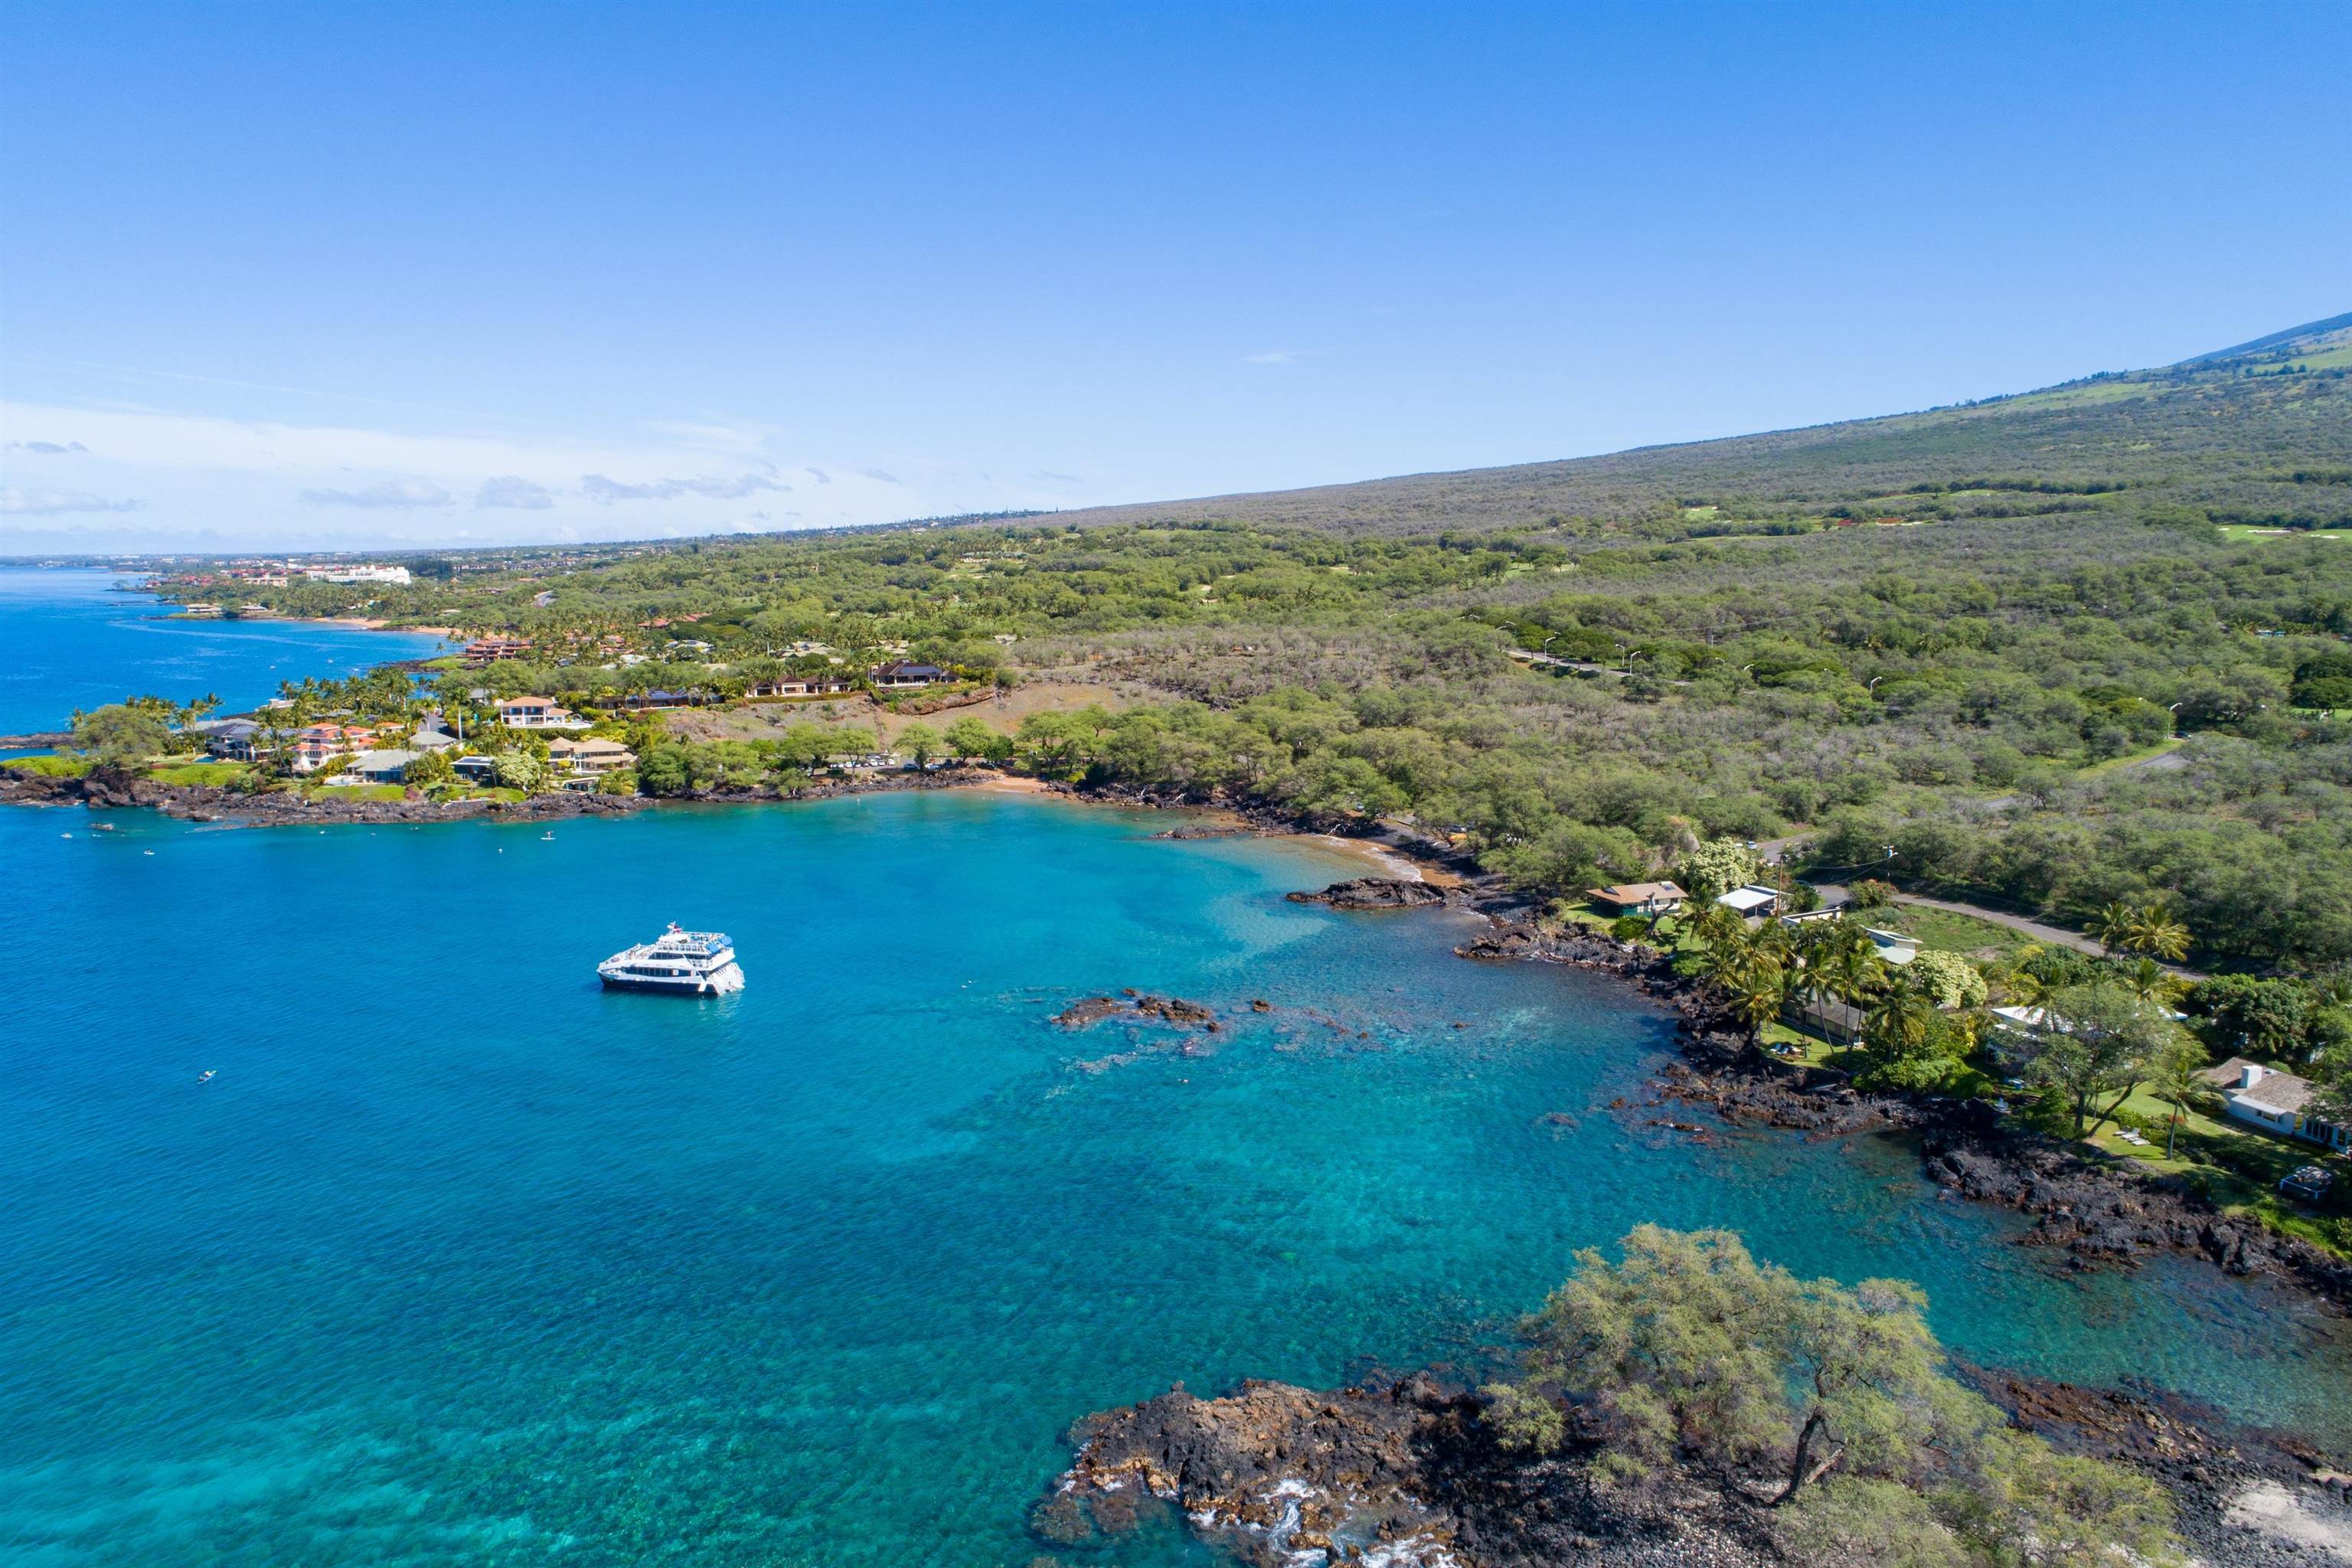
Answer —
2275 1101
399 576
490 650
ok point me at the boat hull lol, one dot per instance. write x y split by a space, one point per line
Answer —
722 981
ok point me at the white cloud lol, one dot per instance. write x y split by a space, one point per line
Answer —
605 491
18 502
269 484
398 494
1275 356
513 492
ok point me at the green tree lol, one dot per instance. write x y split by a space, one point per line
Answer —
921 743
2101 1041
1714 867
2114 923
662 770
120 735
2174 1073
969 737
1906 1042
1689 1351
1950 979
1754 988
519 770
2156 934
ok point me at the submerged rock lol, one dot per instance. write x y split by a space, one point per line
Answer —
1132 1003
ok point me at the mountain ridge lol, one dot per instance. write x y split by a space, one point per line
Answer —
2239 441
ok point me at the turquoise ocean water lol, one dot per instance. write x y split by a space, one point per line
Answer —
69 639
458 1259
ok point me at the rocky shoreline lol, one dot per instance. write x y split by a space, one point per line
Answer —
1404 1473
2098 1211
103 789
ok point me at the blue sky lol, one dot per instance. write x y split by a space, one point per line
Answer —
367 275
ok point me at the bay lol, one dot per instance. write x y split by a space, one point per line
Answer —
459 1258
74 639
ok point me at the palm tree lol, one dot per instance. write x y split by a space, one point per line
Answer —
1754 988
2152 931
2150 982
2176 1079
1900 1021
2113 925
1718 926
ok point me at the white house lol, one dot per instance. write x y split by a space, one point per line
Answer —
1751 902
2274 1100
538 713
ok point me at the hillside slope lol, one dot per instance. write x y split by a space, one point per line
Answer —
2260 433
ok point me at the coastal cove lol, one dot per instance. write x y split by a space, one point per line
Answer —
460 1255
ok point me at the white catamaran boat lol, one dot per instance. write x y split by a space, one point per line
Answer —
685 962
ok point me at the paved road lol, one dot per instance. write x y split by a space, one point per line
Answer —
2057 936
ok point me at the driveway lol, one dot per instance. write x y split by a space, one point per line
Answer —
1834 894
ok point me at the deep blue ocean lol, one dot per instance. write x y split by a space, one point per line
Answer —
458 1259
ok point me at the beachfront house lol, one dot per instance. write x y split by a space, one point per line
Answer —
380 767
432 739
901 676
1639 897
538 713
321 743
477 770
1754 901
2274 1100
589 759
232 739
1839 1023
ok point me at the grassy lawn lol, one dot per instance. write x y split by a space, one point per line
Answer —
216 773
363 791
2245 531
2238 1168
1946 931
51 767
